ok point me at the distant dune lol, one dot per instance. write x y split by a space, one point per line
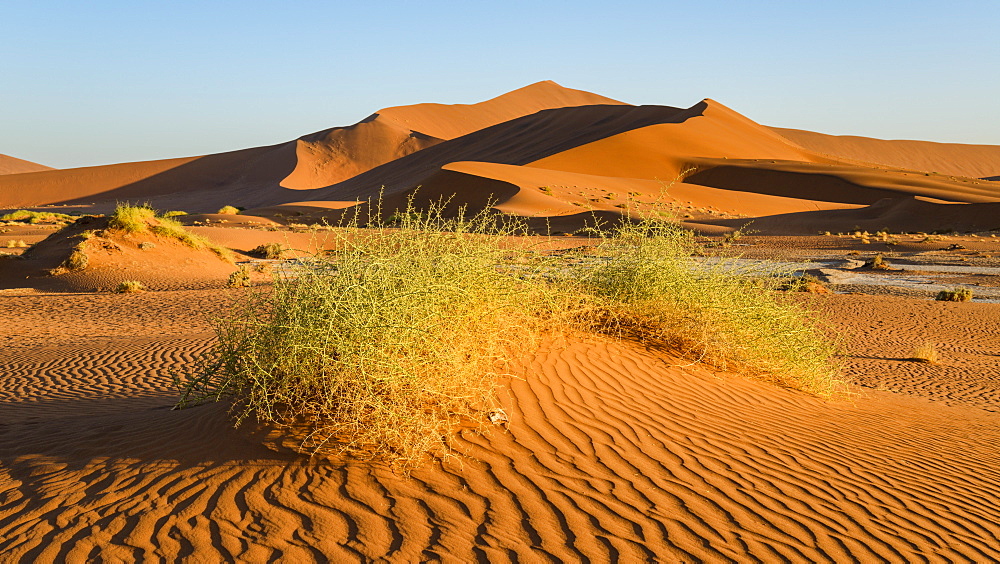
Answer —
13 165
545 152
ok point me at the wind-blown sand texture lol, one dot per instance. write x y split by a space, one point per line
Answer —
613 452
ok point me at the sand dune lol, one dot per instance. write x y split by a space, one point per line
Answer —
14 165
542 151
973 161
612 453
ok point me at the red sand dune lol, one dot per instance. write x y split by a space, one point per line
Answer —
13 165
973 161
542 151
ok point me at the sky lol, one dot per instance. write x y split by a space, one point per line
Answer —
91 83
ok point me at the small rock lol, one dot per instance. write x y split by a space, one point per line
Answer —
498 417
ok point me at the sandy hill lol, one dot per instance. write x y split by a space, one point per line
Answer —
543 151
263 175
14 165
975 161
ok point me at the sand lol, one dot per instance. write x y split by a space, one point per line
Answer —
14 165
613 452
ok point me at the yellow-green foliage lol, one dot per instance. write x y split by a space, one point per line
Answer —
37 217
651 289
240 278
385 346
269 251
926 352
956 295
141 219
129 287
229 210
77 260
174 213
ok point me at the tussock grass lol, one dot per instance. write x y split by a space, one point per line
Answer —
926 352
134 219
37 217
130 287
652 290
384 347
229 210
269 251
955 295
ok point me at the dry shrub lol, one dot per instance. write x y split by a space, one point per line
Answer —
386 346
955 295
228 210
927 352
268 251
239 278
130 287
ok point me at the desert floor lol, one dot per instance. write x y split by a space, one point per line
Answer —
613 452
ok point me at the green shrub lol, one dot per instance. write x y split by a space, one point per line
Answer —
142 219
383 347
37 217
132 219
173 213
956 295
228 210
651 289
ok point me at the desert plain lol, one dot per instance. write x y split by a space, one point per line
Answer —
613 450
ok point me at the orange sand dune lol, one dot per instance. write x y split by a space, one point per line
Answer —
334 155
254 177
14 165
974 161
612 453
895 214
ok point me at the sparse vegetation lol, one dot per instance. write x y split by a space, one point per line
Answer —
955 295
382 348
926 352
240 278
270 251
804 283
37 217
878 262
129 287
174 213
16 244
228 210
135 219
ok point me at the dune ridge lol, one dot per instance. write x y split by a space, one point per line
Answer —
14 165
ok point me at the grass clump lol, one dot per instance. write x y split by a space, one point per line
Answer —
18 244
653 290
228 210
240 278
955 295
129 287
268 251
134 219
174 213
33 217
926 352
383 349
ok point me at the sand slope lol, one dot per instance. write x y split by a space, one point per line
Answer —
612 454
14 165
974 161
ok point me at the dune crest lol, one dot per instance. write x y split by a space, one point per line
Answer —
14 165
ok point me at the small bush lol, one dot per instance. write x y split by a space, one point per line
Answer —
878 262
77 260
129 287
239 278
174 213
268 251
926 352
132 219
19 244
804 283
956 295
228 210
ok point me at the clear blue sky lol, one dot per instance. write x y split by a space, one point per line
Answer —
86 83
